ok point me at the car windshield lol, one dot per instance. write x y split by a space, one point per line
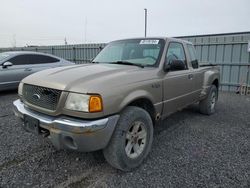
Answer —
3 56
144 52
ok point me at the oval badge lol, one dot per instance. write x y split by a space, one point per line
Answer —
36 97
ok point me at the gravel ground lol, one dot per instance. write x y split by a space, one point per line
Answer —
189 150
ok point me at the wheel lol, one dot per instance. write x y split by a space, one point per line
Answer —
131 140
207 105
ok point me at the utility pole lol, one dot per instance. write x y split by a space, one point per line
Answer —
85 30
65 41
146 14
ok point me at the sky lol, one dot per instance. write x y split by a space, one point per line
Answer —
50 22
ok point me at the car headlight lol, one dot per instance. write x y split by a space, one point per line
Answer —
20 89
84 103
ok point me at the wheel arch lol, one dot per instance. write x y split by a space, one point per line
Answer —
145 104
140 99
211 77
216 83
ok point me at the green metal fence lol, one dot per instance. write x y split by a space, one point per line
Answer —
229 51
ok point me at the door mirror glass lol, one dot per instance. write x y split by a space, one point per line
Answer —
166 67
177 65
6 64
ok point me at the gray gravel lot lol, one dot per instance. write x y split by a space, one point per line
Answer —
189 150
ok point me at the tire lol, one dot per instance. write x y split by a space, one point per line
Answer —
208 105
121 150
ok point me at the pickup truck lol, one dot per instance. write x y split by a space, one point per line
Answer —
113 103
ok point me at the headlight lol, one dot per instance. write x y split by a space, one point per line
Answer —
84 103
20 89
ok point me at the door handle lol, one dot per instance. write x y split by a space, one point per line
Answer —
190 76
28 69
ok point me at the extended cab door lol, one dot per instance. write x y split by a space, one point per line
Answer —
198 74
178 84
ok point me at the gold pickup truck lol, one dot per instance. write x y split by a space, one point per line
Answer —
114 102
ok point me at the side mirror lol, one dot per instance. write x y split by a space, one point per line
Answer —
166 67
6 64
175 65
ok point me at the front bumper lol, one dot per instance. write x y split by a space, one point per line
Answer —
72 133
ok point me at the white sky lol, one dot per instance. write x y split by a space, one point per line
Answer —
48 22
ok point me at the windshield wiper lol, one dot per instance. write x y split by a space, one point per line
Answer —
127 63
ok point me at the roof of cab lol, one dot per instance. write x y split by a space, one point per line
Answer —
157 38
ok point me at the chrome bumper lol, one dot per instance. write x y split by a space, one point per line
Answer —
72 133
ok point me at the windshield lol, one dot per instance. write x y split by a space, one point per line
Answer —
145 52
3 56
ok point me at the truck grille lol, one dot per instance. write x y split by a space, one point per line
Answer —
40 96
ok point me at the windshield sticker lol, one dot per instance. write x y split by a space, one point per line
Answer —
149 42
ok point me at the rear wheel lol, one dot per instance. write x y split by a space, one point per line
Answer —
131 140
207 105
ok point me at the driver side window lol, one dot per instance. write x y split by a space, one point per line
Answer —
175 52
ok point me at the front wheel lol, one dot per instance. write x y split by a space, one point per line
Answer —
131 140
207 105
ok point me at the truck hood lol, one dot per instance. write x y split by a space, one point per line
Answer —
90 78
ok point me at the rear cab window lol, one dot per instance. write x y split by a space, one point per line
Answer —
193 57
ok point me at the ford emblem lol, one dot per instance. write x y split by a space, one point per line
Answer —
36 97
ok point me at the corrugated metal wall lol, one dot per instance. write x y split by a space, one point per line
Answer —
230 52
227 50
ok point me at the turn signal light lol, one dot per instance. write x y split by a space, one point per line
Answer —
95 104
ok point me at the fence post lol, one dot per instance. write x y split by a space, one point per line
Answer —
74 54
52 50
247 81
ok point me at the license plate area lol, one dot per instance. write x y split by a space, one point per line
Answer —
32 125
